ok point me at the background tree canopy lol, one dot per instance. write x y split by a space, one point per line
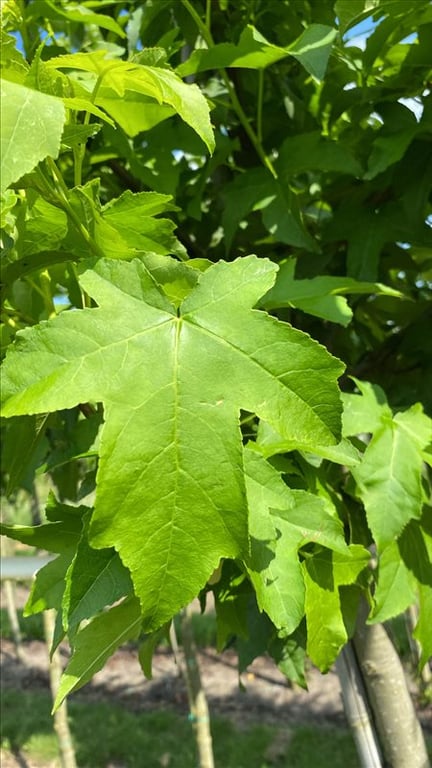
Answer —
205 210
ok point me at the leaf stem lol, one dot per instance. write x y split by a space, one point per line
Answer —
260 104
208 14
79 152
62 196
244 120
23 30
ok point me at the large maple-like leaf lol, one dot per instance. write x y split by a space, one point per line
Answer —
170 488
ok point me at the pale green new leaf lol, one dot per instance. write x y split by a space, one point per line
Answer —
323 574
281 520
134 112
78 104
416 425
45 229
31 129
170 494
162 85
97 642
75 134
389 476
13 65
132 216
253 51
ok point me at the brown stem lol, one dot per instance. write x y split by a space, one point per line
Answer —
199 712
61 724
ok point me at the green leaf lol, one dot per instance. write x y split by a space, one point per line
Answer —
23 441
12 63
269 443
75 135
134 112
311 49
162 85
364 412
256 639
80 14
389 476
393 139
232 595
416 425
396 587
366 230
282 520
132 216
56 511
289 654
415 547
45 229
256 190
310 151
55 537
324 574
422 631
49 585
282 219
351 12
148 647
78 104
173 382
95 579
96 643
318 296
31 129
78 439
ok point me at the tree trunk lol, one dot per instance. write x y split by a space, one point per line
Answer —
396 721
9 588
357 710
61 724
199 712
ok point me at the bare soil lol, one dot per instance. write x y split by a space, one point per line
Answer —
260 695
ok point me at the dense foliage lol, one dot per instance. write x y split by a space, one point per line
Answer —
187 398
